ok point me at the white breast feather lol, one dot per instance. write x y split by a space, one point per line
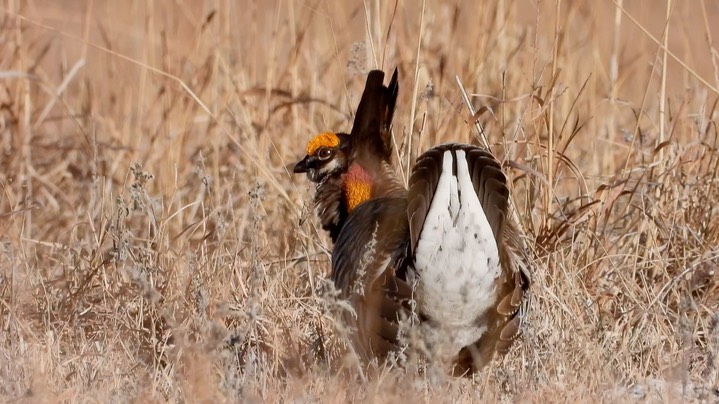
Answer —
456 258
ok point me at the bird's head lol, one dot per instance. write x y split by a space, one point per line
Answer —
327 153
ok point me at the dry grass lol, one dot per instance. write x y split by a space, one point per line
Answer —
155 247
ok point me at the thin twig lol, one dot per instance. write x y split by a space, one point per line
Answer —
414 137
663 85
472 112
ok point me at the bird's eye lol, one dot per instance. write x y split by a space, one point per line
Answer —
324 153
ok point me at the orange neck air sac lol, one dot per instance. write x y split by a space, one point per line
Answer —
358 186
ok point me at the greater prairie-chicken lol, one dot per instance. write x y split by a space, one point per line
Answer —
446 243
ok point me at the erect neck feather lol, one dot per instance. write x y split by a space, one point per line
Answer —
358 186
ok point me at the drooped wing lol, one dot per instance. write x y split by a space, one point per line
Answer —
371 249
513 303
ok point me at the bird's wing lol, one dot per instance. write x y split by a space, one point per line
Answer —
370 249
512 304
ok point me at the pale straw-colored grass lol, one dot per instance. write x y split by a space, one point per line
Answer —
155 246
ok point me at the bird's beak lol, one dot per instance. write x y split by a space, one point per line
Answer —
308 165
303 165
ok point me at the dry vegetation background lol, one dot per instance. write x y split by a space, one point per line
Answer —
156 248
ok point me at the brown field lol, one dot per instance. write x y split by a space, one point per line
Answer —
155 247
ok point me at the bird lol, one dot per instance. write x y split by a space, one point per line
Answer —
443 250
